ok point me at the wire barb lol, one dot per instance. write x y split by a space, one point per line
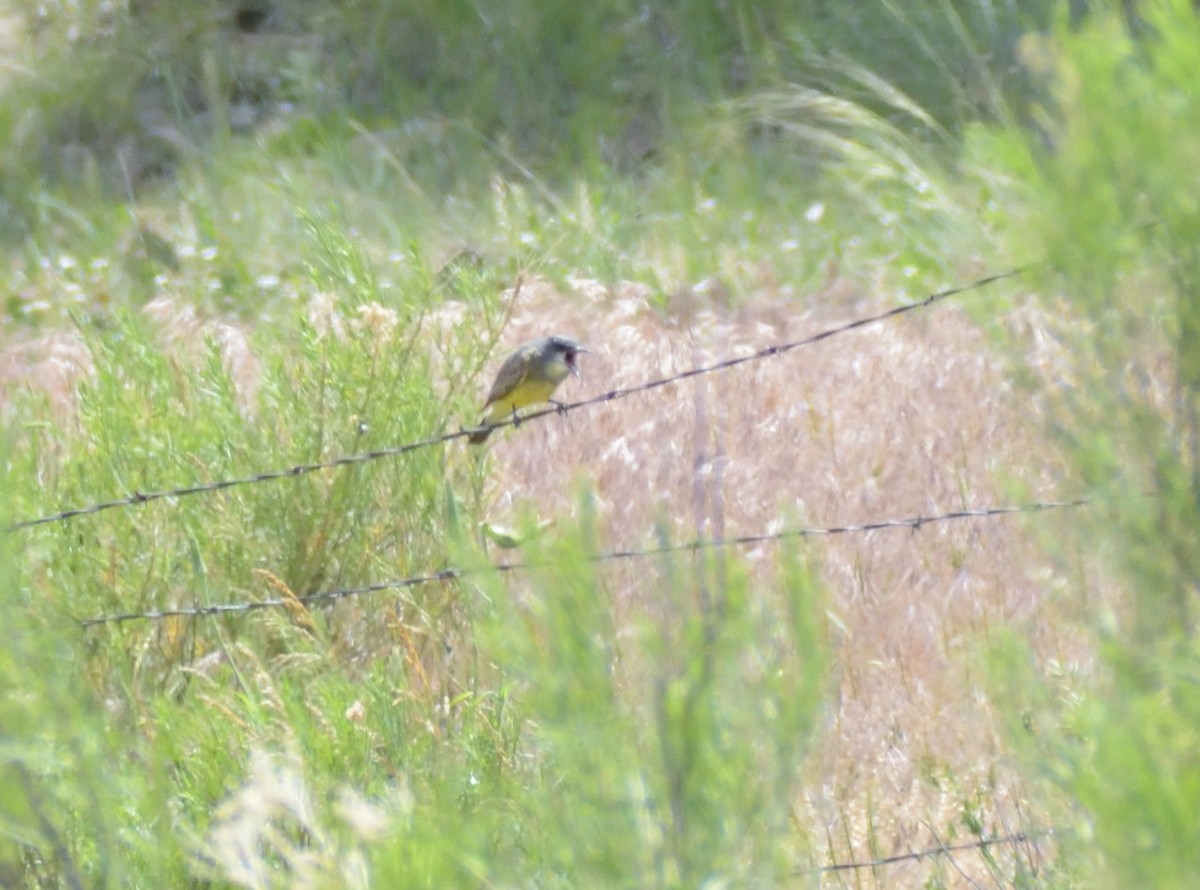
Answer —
451 573
139 497
1016 839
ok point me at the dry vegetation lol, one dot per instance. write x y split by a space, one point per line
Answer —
49 364
914 416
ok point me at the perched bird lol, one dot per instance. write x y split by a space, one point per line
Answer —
528 376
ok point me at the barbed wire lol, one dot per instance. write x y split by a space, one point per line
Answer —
143 497
914 523
1015 839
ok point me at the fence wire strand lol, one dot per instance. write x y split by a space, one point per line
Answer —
143 497
1016 839
913 523
450 574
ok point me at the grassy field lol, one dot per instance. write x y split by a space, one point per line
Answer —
242 241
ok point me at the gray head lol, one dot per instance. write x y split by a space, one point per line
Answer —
569 350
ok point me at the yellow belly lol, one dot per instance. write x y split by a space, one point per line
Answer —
528 392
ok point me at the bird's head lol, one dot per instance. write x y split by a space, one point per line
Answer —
569 350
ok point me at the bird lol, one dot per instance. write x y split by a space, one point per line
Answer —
528 376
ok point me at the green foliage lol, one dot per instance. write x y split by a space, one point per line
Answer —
875 168
1125 753
1102 192
1102 198
118 98
665 755
957 59
607 135
323 179
456 733
1137 769
353 384
67 818
1103 179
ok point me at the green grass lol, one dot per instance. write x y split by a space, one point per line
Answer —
329 279
433 690
1119 234
367 695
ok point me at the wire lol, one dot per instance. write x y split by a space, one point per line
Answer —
1020 837
915 523
144 497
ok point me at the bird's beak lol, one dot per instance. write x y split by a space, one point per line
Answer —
574 368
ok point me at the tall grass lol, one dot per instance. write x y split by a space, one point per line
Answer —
1101 191
313 747
245 244
118 98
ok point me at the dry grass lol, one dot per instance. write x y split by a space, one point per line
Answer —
912 417
49 365
53 363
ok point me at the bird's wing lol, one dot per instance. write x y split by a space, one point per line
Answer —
511 374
